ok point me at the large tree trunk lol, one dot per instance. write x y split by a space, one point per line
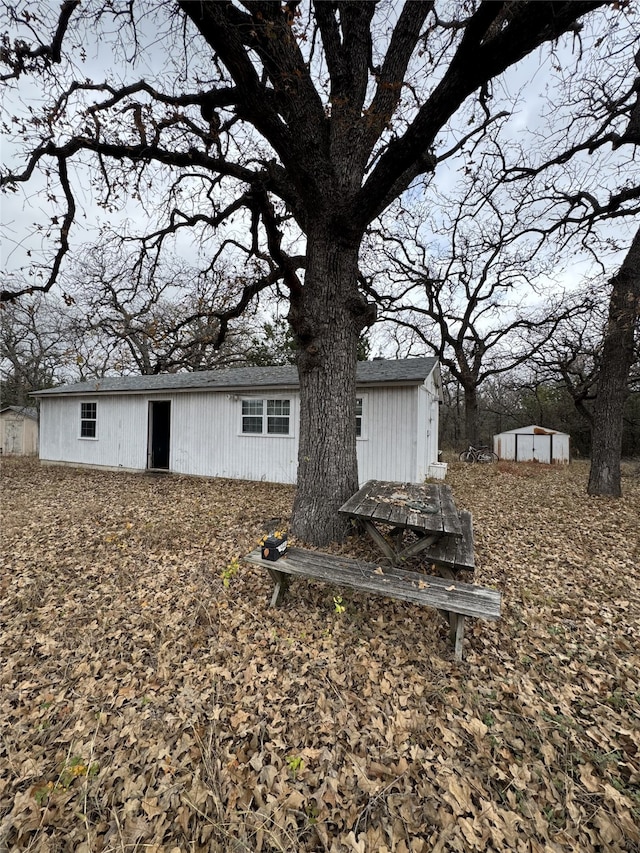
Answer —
471 415
327 317
617 358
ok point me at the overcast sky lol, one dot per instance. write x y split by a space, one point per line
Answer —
529 81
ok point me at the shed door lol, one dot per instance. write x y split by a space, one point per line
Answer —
533 448
159 434
13 436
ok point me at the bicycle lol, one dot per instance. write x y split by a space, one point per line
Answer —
482 454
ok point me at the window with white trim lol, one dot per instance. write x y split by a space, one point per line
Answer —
278 412
252 416
358 417
88 420
266 417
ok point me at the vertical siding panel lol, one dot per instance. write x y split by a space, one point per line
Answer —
389 423
207 439
423 434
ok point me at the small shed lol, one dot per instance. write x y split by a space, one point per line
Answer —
532 444
18 431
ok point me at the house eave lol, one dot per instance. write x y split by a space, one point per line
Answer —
211 389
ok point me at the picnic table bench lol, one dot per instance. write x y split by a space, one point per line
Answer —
452 598
438 532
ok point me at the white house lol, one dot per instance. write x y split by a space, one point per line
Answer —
241 422
532 444
18 431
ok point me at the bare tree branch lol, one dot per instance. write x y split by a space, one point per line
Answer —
21 56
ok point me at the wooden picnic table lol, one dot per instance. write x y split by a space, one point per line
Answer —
442 536
427 510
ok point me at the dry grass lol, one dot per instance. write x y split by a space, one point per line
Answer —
150 700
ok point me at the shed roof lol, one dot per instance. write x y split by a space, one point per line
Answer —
408 371
26 411
533 429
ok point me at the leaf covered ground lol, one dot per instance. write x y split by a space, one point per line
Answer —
151 701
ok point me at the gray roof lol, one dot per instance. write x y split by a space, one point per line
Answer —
27 411
407 371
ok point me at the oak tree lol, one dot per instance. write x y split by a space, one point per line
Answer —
35 349
308 118
465 283
154 317
595 201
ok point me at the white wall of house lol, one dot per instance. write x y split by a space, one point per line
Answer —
387 448
207 438
427 431
121 431
398 441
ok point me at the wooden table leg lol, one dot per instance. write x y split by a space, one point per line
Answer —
397 555
459 636
455 620
396 535
281 584
380 541
416 547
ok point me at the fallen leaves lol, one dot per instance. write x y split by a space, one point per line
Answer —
149 698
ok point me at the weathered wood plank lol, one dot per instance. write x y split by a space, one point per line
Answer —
441 593
397 515
366 508
377 501
358 504
371 501
465 552
383 513
443 552
450 517
455 552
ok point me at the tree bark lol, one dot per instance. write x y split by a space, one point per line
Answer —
327 316
617 358
471 415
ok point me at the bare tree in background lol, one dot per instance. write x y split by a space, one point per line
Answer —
469 287
572 357
156 317
580 202
596 205
35 352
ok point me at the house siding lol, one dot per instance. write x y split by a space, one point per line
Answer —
206 439
121 432
427 435
206 434
388 450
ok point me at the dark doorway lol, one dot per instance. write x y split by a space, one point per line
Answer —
159 434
